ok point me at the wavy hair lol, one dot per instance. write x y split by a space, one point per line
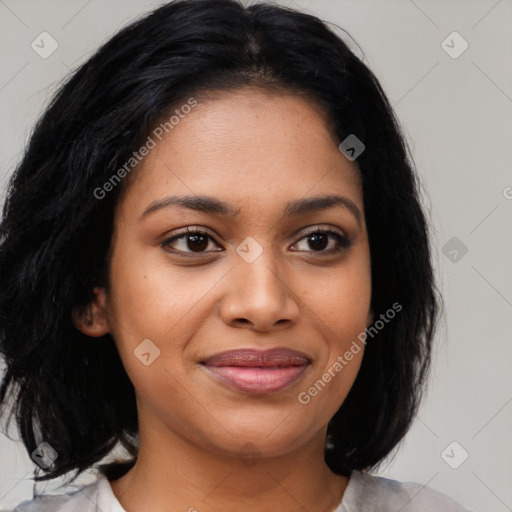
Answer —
71 390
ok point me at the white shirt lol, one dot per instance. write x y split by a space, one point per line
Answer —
364 493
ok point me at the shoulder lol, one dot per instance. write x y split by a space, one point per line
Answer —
374 493
81 499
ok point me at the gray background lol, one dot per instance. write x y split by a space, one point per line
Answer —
457 115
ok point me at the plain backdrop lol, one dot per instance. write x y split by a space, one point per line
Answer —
455 107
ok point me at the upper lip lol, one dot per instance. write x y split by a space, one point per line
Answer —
251 357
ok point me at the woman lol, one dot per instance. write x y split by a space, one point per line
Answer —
214 254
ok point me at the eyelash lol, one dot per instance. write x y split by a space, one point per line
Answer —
343 241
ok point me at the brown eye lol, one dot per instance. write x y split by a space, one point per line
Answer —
191 240
319 240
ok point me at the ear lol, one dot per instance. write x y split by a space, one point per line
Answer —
92 319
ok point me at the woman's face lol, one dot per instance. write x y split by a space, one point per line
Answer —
253 278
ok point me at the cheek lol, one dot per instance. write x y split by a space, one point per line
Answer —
341 319
342 301
149 296
151 299
340 312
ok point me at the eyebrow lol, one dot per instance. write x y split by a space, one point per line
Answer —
214 206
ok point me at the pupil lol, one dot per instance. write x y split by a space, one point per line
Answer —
197 240
314 238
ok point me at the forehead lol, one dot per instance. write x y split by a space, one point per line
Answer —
248 145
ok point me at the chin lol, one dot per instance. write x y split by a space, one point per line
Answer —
260 442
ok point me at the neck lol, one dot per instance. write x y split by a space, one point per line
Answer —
173 473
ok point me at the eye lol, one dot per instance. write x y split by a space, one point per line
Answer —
196 241
319 239
192 241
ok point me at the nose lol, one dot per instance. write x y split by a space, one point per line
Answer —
259 297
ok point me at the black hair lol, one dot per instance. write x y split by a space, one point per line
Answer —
71 390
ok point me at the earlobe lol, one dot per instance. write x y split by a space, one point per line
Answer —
369 320
92 319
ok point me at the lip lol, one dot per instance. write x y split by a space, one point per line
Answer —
258 371
274 357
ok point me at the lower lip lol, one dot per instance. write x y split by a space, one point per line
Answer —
257 379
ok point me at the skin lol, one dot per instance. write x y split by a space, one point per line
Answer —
257 151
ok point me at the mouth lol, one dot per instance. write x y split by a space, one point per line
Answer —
257 371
